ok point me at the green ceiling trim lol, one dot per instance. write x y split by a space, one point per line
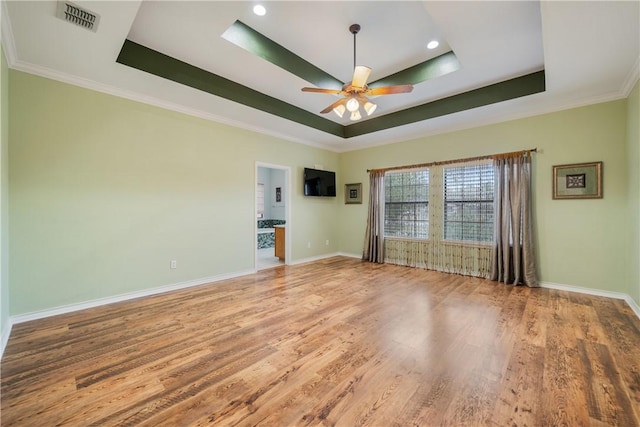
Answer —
249 39
161 65
429 69
252 41
498 92
153 62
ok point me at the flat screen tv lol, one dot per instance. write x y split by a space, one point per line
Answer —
319 183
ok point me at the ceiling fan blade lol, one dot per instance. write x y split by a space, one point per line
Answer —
319 90
389 90
360 76
334 105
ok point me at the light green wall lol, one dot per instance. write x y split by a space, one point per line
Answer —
580 242
633 161
104 192
4 196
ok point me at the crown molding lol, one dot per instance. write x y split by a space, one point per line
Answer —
502 118
16 64
149 100
8 42
632 78
13 62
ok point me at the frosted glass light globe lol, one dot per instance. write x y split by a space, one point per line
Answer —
353 105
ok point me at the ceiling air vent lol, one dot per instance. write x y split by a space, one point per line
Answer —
78 15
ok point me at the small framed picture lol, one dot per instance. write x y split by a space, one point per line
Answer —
578 181
353 193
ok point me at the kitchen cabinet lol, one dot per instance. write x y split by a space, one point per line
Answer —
279 242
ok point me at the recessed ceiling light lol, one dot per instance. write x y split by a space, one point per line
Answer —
259 10
433 44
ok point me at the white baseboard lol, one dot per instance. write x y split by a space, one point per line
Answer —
325 256
350 255
4 338
596 292
123 297
314 258
634 306
21 318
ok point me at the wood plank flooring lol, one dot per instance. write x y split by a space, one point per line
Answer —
334 342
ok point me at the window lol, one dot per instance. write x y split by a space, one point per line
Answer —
468 203
260 201
406 209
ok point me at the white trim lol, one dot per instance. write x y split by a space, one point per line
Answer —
314 258
123 297
350 255
631 79
581 290
8 45
287 209
634 306
8 42
4 339
154 291
484 121
596 292
150 100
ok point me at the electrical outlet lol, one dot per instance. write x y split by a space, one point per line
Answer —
174 264
327 242
308 245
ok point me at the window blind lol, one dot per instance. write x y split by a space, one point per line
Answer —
468 203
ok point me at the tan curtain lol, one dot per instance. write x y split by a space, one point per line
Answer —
435 253
374 236
513 259
465 259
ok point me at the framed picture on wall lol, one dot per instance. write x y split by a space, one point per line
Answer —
353 193
578 181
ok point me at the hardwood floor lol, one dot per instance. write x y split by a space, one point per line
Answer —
334 342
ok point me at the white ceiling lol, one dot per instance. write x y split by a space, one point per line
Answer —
589 51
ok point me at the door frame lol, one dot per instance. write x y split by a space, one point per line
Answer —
287 210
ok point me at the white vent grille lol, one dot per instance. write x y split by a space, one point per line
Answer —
77 15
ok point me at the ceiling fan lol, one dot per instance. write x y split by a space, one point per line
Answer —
354 94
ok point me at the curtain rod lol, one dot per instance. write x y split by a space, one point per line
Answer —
468 159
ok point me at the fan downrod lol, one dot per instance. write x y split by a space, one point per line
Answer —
354 28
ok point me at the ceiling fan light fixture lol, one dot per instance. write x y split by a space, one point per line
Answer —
353 105
355 94
370 107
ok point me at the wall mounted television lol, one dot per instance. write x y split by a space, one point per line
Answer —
319 183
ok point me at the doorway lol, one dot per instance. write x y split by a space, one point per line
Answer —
272 245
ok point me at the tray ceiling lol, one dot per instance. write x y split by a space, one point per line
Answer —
514 59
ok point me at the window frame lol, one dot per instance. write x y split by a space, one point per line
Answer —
260 201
